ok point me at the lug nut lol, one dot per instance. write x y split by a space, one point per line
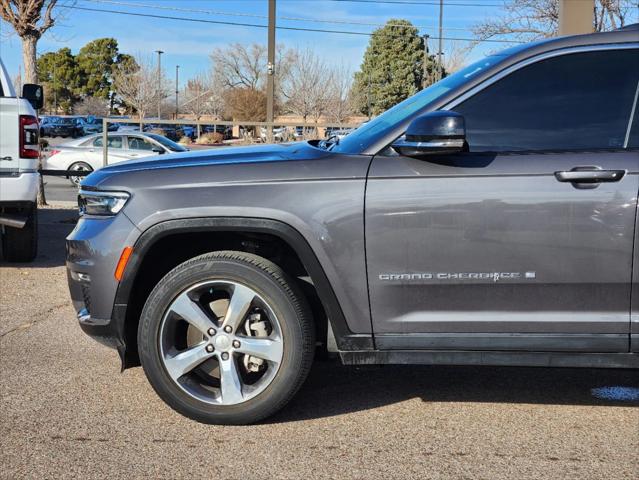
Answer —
225 356
236 344
211 332
228 329
209 348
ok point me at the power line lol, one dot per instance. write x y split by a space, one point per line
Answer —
253 25
415 2
256 15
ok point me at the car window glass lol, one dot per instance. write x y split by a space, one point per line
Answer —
139 143
570 102
114 142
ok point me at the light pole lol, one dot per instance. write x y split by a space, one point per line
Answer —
55 90
177 68
441 32
159 52
270 73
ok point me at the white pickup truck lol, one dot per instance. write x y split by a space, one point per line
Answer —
19 177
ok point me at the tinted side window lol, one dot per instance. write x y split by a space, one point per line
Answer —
113 142
137 143
633 139
571 102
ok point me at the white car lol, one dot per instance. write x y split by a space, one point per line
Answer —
85 154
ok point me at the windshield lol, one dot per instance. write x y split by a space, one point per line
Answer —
175 147
357 140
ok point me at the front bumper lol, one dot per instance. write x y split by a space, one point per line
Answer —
93 250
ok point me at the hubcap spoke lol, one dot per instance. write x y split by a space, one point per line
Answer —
192 313
263 348
186 361
230 382
238 306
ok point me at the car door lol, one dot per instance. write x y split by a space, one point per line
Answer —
116 151
140 146
510 246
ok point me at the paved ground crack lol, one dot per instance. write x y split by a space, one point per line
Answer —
41 316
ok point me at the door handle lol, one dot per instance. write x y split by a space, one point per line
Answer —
7 158
589 177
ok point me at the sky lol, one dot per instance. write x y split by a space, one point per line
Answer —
188 44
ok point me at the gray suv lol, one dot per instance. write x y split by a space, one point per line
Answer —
491 219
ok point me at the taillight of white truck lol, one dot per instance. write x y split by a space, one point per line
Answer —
29 137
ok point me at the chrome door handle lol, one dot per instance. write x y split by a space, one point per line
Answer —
589 177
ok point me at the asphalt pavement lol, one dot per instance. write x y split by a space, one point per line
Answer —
66 411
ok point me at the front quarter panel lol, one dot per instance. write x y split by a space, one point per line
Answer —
319 194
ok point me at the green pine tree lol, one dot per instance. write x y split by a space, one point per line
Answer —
392 69
61 77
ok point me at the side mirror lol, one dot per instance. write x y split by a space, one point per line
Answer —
158 150
34 94
436 132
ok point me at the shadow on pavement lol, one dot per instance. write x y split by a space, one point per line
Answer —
54 224
333 389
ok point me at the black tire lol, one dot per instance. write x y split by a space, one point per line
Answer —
77 166
284 297
21 244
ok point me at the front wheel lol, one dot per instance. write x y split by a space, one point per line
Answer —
78 167
226 338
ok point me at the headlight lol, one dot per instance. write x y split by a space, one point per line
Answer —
101 203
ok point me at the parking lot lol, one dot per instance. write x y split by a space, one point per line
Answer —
67 411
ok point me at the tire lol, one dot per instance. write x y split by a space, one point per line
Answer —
282 313
78 167
21 244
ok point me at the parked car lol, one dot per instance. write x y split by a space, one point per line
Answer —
172 132
85 154
67 127
95 125
490 219
45 125
19 177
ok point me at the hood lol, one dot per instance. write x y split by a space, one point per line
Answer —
210 157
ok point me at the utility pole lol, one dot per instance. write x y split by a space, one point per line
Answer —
55 91
159 52
441 34
425 79
177 68
270 80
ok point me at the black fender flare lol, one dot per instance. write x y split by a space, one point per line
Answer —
345 339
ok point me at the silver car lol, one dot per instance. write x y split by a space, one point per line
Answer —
85 154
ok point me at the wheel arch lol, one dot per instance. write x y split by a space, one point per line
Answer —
127 306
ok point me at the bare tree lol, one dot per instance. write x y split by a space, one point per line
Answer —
306 88
202 96
137 85
92 106
455 56
241 66
30 19
528 20
340 105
